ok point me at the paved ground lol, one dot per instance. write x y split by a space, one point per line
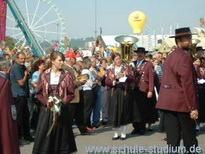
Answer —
102 138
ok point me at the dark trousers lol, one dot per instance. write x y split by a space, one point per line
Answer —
161 122
177 125
141 99
97 106
22 117
89 104
76 111
35 114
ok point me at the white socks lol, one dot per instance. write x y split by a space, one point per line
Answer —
123 131
117 132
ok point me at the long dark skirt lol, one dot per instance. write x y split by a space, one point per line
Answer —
201 94
61 139
119 108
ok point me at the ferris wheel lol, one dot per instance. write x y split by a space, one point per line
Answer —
44 19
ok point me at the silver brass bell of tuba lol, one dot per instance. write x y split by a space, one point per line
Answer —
126 43
193 47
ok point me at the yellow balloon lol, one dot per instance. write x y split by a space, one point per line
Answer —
137 20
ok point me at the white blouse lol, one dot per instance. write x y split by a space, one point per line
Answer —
54 79
118 70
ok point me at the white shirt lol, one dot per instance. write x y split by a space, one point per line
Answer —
89 83
54 78
118 70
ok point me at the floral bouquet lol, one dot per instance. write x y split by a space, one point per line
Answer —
54 104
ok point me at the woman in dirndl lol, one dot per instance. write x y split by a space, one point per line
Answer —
54 134
119 79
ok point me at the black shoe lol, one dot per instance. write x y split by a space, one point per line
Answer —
24 142
160 131
141 132
123 138
115 138
85 133
104 123
150 129
134 131
30 139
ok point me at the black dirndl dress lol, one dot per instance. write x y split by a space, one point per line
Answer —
61 139
119 107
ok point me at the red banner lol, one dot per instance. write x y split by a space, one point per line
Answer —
3 6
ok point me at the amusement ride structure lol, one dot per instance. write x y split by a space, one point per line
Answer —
42 21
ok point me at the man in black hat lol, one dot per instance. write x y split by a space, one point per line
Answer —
143 92
177 97
200 52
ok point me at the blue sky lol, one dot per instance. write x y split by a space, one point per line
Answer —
112 15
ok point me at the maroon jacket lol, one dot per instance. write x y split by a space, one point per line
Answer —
178 87
65 86
145 77
9 143
111 77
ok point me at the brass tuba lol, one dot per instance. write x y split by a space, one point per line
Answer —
193 48
126 43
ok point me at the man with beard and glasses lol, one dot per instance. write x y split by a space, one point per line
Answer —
178 97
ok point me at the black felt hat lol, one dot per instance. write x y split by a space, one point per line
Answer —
182 32
140 49
199 49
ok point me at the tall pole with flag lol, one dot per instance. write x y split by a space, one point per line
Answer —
3 7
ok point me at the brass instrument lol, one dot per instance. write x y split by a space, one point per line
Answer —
83 77
126 43
193 47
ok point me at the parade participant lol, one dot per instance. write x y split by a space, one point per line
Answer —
119 79
55 90
19 85
8 126
177 97
200 74
76 106
200 54
144 92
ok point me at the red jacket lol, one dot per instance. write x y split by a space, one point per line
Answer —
178 87
8 127
66 87
145 77
111 76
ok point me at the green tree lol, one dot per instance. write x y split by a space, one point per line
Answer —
10 42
